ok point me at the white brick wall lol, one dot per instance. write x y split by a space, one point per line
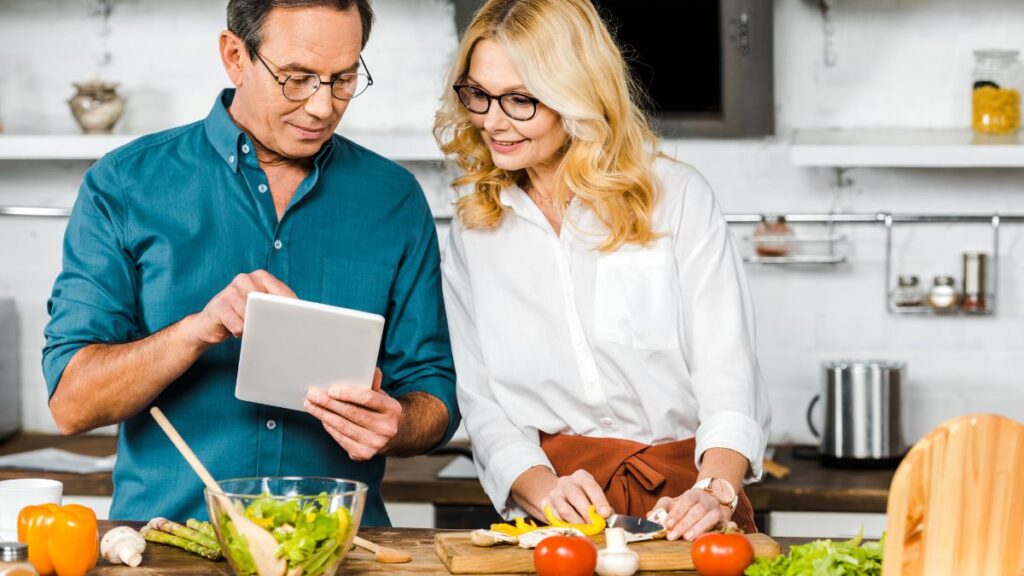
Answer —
897 63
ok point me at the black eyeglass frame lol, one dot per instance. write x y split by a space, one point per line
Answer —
458 87
320 82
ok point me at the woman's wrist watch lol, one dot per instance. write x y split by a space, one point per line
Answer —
721 489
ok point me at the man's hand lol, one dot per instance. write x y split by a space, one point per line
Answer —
363 421
224 316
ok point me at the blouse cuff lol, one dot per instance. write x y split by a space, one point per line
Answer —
504 467
735 431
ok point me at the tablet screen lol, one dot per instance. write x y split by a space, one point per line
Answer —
290 346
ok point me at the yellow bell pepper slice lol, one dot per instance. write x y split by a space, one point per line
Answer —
596 526
521 527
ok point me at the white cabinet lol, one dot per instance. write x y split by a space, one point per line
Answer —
410 514
835 525
99 504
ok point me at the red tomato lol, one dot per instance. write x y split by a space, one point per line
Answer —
565 556
716 554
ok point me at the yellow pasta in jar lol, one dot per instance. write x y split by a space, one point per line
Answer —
996 110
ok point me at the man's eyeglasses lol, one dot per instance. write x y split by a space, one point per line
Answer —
515 105
300 87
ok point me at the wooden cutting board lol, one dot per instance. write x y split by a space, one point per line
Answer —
460 556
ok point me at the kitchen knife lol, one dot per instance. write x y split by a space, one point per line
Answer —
633 525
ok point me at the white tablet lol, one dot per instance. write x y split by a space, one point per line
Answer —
290 346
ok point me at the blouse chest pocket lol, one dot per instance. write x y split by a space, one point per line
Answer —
636 300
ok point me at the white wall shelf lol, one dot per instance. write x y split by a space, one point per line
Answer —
399 146
905 148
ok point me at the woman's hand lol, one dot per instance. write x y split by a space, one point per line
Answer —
568 496
692 514
572 495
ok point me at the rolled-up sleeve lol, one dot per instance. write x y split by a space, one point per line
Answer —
416 355
501 451
93 299
733 405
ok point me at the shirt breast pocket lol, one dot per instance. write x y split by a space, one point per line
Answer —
636 300
358 285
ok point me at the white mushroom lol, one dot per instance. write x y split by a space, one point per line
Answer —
123 545
617 559
532 538
486 538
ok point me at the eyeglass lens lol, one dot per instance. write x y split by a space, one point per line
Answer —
345 87
517 106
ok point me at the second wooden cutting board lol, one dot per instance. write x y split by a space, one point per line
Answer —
460 556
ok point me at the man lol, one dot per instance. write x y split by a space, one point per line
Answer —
172 232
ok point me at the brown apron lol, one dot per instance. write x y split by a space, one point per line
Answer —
634 475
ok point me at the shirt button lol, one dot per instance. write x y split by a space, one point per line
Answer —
277 244
271 424
607 422
262 188
245 148
231 159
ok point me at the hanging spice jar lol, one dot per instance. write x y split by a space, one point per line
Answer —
943 296
772 236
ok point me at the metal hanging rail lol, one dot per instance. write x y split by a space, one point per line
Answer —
750 218
878 218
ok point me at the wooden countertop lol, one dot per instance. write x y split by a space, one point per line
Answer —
159 560
809 488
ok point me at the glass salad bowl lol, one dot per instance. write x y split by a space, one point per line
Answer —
313 520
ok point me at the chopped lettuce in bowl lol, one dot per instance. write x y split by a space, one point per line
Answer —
312 519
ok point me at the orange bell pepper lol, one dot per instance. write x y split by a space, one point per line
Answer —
61 540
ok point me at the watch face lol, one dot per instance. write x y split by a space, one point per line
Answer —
722 490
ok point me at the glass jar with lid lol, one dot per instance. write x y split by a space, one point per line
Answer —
772 236
908 292
14 560
943 296
995 93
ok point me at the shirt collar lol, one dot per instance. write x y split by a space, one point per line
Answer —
223 133
516 198
227 138
579 221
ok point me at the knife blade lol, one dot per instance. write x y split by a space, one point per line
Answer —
633 525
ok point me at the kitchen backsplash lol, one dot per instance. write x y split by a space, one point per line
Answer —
894 64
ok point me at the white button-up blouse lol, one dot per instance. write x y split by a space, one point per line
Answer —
648 343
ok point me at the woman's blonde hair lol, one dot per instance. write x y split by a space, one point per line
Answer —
567 59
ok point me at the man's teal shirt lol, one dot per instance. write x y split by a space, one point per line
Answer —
163 224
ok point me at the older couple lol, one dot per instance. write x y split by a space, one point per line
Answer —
598 315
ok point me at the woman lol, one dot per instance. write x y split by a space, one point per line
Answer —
600 320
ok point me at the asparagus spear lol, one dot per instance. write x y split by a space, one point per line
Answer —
170 527
204 527
160 537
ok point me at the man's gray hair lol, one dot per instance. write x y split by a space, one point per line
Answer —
246 17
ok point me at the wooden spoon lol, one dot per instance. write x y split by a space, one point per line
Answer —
262 544
383 554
